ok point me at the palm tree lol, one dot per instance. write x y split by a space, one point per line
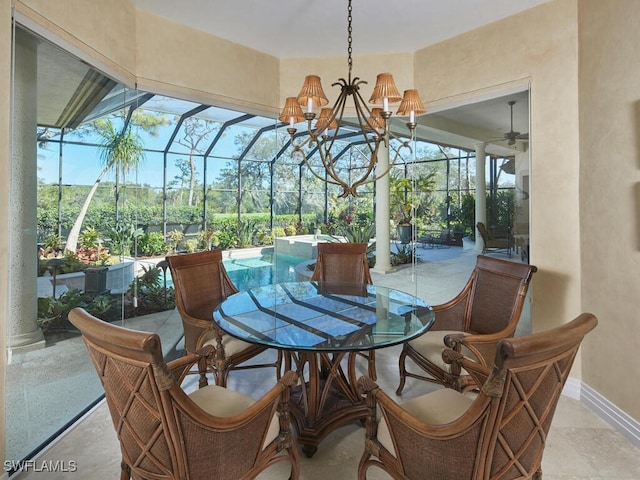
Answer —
120 150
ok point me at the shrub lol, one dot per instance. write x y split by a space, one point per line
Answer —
277 232
53 312
228 239
246 229
175 237
191 245
151 244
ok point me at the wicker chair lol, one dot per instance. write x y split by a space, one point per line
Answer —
342 262
495 243
499 434
201 284
348 263
486 310
165 433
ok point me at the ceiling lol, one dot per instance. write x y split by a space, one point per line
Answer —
319 28
312 28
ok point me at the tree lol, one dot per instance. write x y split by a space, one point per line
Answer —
196 131
120 149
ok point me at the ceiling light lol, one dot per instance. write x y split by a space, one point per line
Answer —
372 123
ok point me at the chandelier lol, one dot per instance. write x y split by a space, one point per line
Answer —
374 124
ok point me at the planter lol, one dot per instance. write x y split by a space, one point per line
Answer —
405 233
114 278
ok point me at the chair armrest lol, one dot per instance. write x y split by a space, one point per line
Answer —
483 346
181 366
478 372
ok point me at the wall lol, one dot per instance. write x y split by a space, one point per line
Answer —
178 61
610 196
538 47
73 23
5 116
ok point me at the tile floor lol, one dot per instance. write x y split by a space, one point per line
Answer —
580 446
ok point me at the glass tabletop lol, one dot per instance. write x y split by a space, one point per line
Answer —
324 316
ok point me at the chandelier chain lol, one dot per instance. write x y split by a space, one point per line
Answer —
349 37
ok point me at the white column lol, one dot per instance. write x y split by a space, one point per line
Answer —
481 192
383 237
23 331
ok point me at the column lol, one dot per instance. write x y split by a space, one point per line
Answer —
481 192
383 237
23 330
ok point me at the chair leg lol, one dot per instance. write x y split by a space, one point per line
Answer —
371 359
403 371
202 371
125 471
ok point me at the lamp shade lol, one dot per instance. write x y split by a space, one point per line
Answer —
385 88
376 121
291 110
312 90
326 121
411 103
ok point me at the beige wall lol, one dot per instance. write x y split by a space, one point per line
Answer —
538 47
5 115
585 227
610 196
179 61
79 26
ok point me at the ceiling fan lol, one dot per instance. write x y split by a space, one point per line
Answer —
511 136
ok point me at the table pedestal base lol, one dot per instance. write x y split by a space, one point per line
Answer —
326 399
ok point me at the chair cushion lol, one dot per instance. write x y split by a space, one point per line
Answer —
435 408
431 344
222 402
231 344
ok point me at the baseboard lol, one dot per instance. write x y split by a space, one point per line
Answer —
606 410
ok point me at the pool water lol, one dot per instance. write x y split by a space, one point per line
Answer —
264 270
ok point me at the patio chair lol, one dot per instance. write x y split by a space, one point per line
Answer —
499 434
485 311
166 433
345 262
342 262
494 243
201 283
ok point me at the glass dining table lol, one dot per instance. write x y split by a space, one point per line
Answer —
320 327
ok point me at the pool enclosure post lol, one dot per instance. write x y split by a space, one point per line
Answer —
381 200
481 189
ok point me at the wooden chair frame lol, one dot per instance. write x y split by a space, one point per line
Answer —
201 283
499 435
485 311
163 432
495 243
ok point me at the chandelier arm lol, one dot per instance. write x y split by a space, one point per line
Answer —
329 166
337 112
364 180
364 114
314 173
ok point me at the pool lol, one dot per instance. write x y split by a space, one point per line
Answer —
252 272
263 270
